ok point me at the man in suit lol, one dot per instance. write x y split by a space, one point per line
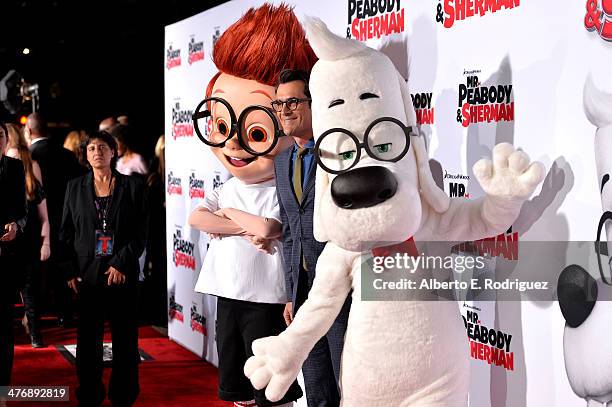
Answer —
295 178
58 166
12 219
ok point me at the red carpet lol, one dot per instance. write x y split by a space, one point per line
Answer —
175 377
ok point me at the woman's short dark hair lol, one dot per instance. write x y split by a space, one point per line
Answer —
290 75
106 138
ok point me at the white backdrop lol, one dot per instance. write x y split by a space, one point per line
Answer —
545 49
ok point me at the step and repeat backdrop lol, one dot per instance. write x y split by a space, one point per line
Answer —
480 72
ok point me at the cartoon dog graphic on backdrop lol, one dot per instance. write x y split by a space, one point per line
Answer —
584 301
374 185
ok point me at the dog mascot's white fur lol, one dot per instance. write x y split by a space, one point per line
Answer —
585 301
395 353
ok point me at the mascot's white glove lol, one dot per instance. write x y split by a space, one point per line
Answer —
275 363
508 181
510 176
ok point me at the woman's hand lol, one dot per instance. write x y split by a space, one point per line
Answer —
45 252
74 284
10 232
115 276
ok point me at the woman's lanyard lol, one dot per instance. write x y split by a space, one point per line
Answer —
103 213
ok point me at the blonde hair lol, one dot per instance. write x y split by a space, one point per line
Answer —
17 140
160 148
74 139
160 153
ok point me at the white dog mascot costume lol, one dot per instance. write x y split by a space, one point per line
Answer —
585 298
396 353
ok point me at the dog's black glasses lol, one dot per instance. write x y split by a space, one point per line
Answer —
386 139
257 128
601 247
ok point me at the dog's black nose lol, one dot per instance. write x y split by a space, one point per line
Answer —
577 292
363 187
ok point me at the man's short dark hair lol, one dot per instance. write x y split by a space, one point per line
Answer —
123 135
37 123
105 137
290 75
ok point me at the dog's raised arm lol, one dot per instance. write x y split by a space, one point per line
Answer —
508 181
278 359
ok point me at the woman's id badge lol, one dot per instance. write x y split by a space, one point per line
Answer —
104 243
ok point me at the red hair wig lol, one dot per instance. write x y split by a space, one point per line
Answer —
261 44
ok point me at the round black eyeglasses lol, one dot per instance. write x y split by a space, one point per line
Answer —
291 103
386 139
257 127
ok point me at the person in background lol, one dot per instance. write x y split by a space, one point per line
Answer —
159 161
129 161
155 280
36 242
107 124
73 142
58 166
103 230
123 119
13 214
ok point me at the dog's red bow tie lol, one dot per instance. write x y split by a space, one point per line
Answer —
407 246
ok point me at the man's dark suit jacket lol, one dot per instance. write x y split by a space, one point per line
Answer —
127 220
13 197
58 166
297 221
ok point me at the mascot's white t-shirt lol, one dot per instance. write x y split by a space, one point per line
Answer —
233 267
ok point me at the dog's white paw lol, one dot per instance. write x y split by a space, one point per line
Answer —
274 365
510 175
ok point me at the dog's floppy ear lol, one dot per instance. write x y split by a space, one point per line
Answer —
408 107
433 195
321 185
327 45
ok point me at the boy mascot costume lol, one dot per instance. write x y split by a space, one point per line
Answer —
586 302
396 353
243 266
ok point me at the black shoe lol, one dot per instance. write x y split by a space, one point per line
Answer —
65 322
37 342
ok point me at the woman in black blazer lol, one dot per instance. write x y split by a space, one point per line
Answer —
12 218
103 230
